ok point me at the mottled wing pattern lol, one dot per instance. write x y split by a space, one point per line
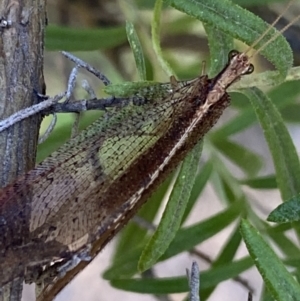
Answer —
121 214
66 193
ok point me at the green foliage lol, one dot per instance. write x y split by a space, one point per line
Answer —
179 284
71 39
284 153
287 212
240 24
136 48
174 212
223 22
278 280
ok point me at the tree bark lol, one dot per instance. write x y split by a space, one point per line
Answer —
21 74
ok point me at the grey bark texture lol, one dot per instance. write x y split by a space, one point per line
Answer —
22 24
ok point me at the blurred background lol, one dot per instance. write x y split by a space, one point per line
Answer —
94 30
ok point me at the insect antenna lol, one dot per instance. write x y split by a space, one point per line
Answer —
269 29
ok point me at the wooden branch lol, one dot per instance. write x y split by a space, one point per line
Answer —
21 71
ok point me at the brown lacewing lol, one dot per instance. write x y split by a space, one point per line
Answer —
84 193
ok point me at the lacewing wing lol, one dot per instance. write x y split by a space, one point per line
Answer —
87 190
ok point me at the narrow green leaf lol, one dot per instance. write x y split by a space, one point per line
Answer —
293 262
287 212
267 182
241 156
266 296
229 249
226 185
282 96
79 39
180 284
155 30
133 235
281 146
278 280
137 50
220 45
253 2
285 94
284 244
235 125
291 113
218 186
223 272
240 24
189 237
181 25
280 228
172 216
124 265
199 184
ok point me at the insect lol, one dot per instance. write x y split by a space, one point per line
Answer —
83 194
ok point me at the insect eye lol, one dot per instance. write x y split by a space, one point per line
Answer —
250 69
232 54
